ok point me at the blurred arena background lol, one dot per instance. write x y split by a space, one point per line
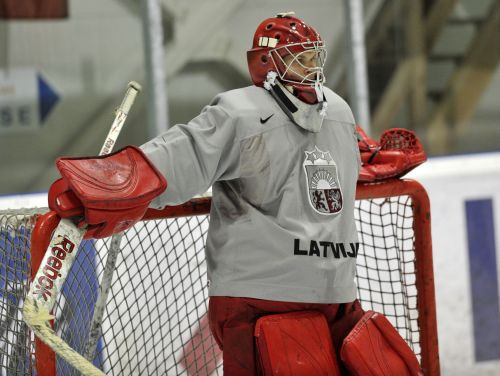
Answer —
431 66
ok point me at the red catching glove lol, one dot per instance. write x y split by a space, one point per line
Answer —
110 192
398 152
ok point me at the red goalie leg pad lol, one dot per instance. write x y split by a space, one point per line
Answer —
112 192
296 343
375 348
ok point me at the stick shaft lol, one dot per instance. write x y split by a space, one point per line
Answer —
56 264
95 326
100 305
120 116
54 270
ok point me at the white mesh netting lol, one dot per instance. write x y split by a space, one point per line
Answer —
155 318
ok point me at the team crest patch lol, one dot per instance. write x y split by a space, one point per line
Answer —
323 185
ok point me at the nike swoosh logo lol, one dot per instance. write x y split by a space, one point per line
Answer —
263 121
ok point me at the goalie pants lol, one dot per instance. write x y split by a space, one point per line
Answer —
232 322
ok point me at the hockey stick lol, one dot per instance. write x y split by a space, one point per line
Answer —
95 324
58 260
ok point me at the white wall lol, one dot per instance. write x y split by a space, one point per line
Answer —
450 182
29 200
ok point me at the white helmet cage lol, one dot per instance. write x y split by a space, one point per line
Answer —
315 76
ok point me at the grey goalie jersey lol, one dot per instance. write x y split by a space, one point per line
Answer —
282 217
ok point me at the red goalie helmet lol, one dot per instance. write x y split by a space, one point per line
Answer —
283 35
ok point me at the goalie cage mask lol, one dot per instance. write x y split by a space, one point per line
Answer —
284 35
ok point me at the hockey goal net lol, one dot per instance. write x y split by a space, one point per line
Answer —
155 320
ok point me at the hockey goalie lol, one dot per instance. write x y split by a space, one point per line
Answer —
283 157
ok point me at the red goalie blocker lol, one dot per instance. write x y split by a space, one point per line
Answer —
110 192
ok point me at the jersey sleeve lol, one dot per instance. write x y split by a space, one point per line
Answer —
193 156
339 110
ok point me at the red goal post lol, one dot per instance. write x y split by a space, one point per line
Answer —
426 300
395 276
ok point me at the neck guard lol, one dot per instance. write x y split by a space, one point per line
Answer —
307 116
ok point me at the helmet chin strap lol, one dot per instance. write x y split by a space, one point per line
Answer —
270 80
307 116
323 104
318 88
